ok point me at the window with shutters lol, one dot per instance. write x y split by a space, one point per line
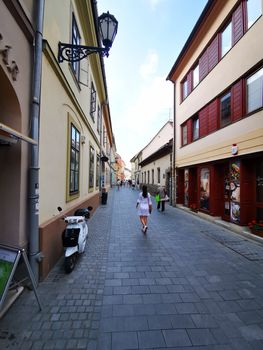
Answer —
226 39
203 122
254 86
225 109
184 89
75 40
195 128
92 101
97 170
203 65
91 167
237 100
212 116
74 160
184 134
152 176
148 176
196 76
238 23
213 53
98 119
254 11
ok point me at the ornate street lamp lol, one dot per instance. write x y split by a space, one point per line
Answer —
108 26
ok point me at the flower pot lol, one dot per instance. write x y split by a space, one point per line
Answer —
257 232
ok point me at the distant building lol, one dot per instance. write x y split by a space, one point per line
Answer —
120 167
152 165
218 112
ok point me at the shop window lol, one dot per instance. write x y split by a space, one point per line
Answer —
225 109
204 188
186 187
91 167
259 191
196 76
74 160
254 11
195 128
184 135
255 91
75 39
226 39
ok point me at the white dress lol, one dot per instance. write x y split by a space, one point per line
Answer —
143 204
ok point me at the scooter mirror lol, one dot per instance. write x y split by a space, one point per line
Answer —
90 208
59 208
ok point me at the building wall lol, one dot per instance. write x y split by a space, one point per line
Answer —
66 100
247 132
212 175
163 163
163 137
15 95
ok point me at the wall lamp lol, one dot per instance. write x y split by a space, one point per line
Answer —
108 26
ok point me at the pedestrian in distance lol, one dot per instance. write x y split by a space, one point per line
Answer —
144 206
162 198
118 184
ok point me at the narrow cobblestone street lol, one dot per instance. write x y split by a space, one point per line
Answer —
187 284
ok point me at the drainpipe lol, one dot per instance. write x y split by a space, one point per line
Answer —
174 153
34 255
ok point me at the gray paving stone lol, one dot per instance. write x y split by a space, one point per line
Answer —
167 290
151 339
124 340
176 337
201 337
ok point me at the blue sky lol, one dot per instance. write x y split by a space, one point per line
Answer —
150 36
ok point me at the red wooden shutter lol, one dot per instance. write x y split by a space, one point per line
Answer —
237 101
189 82
189 131
213 54
238 24
203 122
203 65
212 116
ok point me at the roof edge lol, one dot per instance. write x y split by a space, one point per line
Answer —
208 7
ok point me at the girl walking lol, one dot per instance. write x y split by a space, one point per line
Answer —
144 206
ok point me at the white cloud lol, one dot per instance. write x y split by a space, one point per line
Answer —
150 67
154 3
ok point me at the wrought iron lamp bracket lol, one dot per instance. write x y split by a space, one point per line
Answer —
75 53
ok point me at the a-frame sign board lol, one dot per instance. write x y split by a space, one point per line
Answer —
9 259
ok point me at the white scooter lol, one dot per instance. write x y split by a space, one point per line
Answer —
75 235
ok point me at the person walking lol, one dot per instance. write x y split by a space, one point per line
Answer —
144 206
162 197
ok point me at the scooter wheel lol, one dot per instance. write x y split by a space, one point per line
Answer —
70 263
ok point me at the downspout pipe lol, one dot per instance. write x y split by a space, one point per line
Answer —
34 255
174 194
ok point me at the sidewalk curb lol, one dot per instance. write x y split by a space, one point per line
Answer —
240 230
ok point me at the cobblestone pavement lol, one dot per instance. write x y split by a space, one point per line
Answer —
187 284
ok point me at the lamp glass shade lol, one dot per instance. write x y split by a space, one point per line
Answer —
108 26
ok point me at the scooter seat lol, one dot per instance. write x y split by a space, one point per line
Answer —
74 219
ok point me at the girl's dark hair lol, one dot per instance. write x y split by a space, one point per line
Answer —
144 191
